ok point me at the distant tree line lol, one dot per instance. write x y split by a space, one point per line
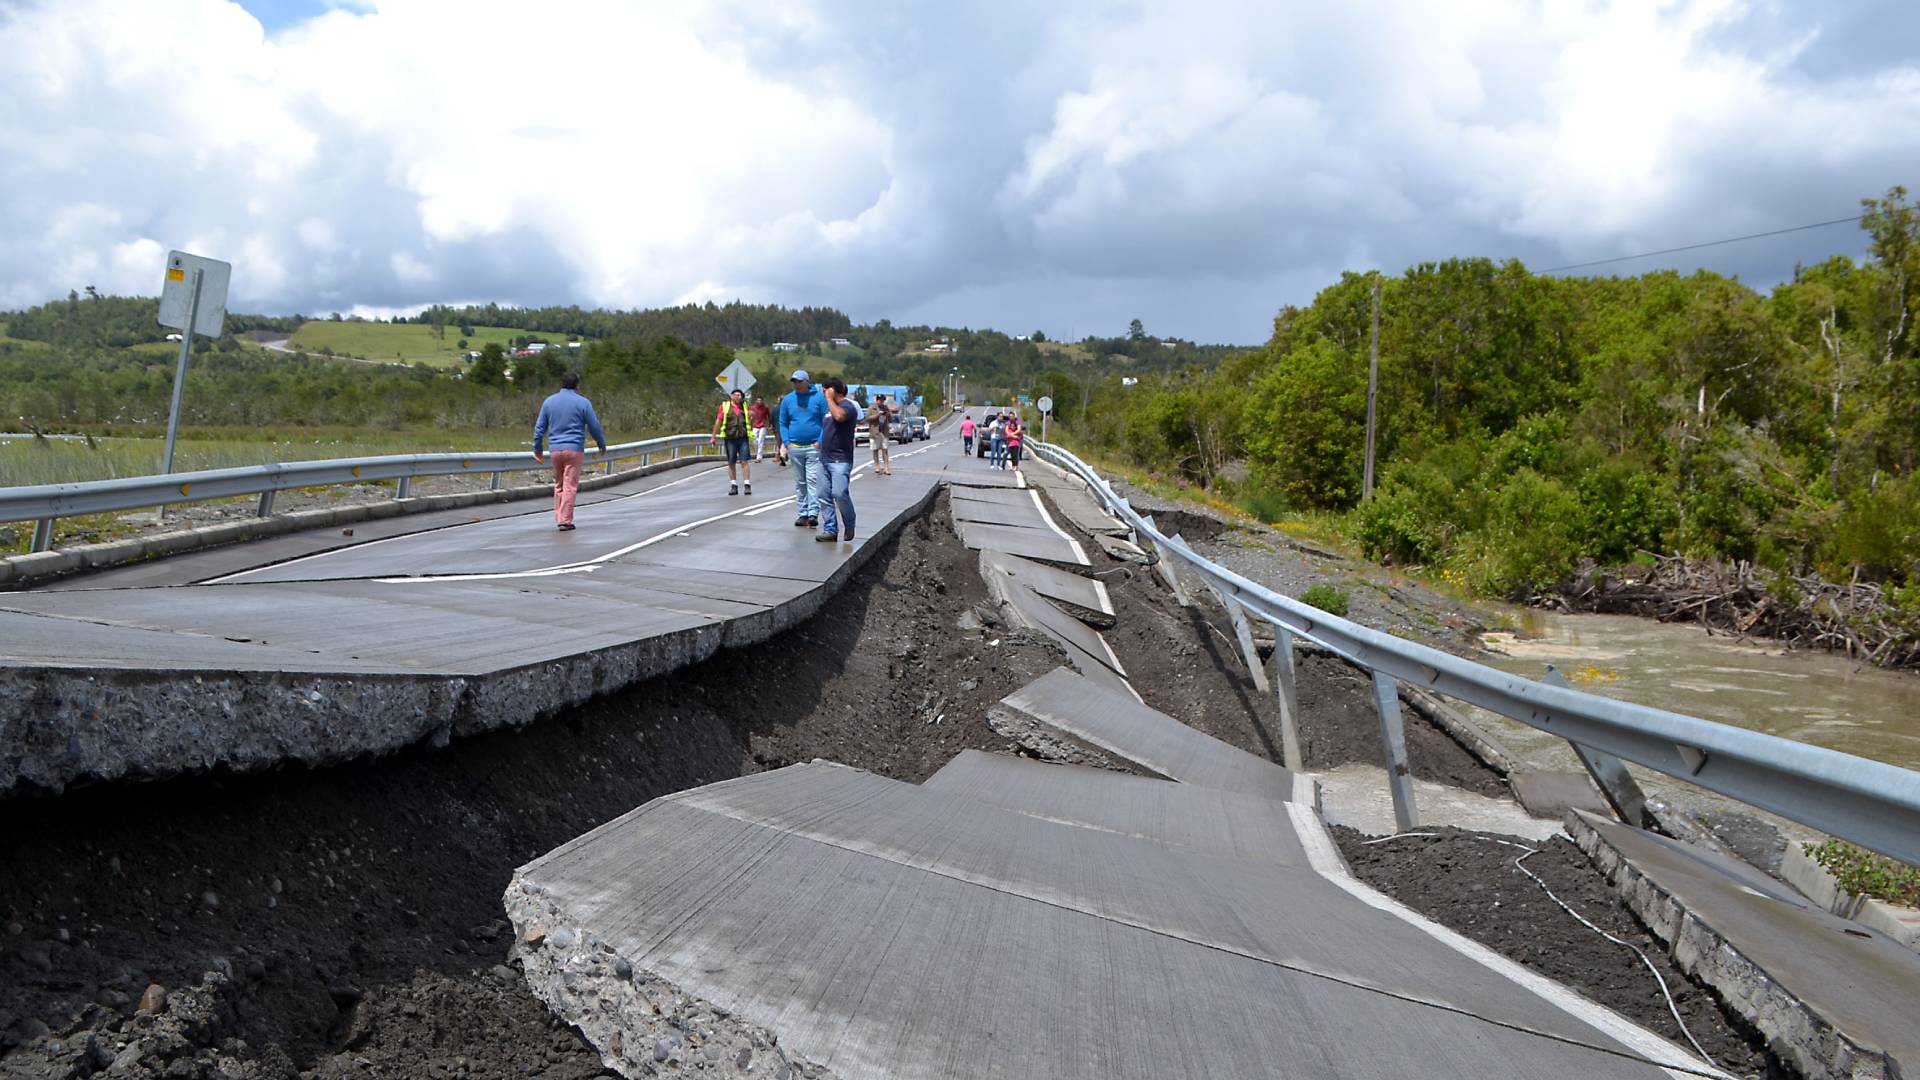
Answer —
1527 422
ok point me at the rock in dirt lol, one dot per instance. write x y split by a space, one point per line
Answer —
153 1000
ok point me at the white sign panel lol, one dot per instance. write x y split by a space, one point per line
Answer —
1046 404
736 377
176 293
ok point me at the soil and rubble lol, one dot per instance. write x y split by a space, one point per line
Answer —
347 922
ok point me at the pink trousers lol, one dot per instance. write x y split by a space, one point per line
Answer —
566 483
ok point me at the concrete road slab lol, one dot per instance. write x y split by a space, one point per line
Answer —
999 496
1834 995
1041 544
1549 793
1012 515
1184 815
1086 650
1117 724
1085 598
1075 502
841 911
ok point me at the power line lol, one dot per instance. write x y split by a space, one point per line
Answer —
1708 244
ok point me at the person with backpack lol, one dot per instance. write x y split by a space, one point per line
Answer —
966 434
731 423
880 435
1016 431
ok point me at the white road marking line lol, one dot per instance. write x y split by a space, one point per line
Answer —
598 561
235 576
1048 518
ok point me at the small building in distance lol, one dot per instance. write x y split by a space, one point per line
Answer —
785 346
841 342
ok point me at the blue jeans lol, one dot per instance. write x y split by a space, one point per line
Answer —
997 453
808 480
837 495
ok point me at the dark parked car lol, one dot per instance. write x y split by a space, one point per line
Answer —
917 428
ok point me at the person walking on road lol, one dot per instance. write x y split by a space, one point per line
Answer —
761 418
996 443
802 412
730 423
1016 433
880 435
966 434
566 419
836 462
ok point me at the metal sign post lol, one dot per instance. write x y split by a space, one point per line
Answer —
1046 410
193 299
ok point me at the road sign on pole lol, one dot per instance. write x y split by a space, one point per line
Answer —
1046 410
193 300
736 377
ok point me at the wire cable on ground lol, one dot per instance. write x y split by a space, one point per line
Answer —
1672 1006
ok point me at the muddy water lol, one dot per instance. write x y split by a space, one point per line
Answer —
1814 697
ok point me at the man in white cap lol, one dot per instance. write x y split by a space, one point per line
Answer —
802 412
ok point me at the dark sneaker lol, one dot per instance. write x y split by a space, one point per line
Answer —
733 489
802 523
847 536
749 489
824 538
813 522
568 527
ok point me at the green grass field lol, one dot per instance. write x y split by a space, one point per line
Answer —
27 460
831 361
5 340
404 343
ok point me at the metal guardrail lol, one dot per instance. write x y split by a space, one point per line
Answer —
1870 803
44 504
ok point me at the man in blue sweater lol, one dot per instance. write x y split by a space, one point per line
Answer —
566 419
801 414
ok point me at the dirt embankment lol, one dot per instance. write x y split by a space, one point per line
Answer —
351 916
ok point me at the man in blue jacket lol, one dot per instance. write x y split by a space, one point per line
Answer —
566 419
802 412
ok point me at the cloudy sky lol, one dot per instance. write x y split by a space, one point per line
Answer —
1060 165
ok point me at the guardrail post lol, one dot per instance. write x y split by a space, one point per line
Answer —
1244 633
1393 739
646 458
405 489
1289 698
1609 773
494 483
1161 564
43 534
266 504
674 453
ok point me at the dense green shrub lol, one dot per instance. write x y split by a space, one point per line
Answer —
1331 599
1864 873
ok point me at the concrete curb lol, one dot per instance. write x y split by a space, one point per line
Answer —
1800 870
63 727
1804 1038
17 570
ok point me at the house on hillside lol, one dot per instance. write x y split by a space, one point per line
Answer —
840 342
536 347
785 346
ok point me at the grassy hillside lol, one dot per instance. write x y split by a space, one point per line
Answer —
406 343
831 361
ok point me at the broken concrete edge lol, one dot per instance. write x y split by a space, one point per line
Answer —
1794 1032
641 1024
1048 743
16 570
1801 870
65 727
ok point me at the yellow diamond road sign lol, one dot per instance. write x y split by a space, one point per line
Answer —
736 377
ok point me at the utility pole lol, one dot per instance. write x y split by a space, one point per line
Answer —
1373 392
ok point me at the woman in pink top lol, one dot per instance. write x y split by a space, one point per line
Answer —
1014 432
966 433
